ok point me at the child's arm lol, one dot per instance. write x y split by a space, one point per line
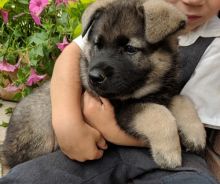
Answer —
76 139
101 116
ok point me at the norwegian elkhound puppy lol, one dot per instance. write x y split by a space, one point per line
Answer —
130 57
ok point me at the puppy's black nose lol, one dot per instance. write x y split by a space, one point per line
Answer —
97 76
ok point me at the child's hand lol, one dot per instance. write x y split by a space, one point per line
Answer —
99 113
81 142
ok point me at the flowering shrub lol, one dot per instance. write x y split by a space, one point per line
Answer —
32 35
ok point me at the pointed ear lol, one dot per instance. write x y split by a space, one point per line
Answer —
161 20
92 13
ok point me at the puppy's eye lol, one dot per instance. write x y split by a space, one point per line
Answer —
130 49
98 45
98 42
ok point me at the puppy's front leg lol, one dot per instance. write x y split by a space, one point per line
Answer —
191 128
157 124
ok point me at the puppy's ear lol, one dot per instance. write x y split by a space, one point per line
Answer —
161 19
92 13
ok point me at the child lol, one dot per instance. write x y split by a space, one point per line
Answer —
95 124
198 12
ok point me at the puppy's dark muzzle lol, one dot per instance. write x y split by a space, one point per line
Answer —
100 76
111 75
97 76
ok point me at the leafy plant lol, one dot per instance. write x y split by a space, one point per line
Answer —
32 35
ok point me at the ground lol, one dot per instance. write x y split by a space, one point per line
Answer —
4 118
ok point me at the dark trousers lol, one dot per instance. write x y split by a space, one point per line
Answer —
119 165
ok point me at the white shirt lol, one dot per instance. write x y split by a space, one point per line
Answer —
203 88
79 41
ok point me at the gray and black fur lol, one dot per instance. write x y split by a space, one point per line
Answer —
124 72
130 57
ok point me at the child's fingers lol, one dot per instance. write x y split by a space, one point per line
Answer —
106 103
102 144
95 154
99 154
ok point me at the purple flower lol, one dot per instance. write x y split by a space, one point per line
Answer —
63 44
4 16
36 7
4 66
34 78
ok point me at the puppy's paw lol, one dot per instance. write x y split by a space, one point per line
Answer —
168 158
194 138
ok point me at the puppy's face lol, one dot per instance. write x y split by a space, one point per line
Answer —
119 61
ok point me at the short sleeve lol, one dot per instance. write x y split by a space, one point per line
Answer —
79 41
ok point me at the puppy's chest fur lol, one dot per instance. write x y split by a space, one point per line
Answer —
126 110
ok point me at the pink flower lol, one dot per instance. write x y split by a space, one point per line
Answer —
4 66
34 78
63 44
4 16
36 7
58 2
12 88
36 19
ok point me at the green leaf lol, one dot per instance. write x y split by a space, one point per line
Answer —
4 124
11 58
77 30
38 38
26 91
2 3
39 50
36 54
17 97
87 1
34 62
18 33
23 2
22 75
9 110
1 105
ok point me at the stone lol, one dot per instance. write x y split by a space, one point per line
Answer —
4 118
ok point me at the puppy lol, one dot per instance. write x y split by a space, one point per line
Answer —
130 58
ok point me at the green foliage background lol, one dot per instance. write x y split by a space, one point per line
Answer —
35 46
